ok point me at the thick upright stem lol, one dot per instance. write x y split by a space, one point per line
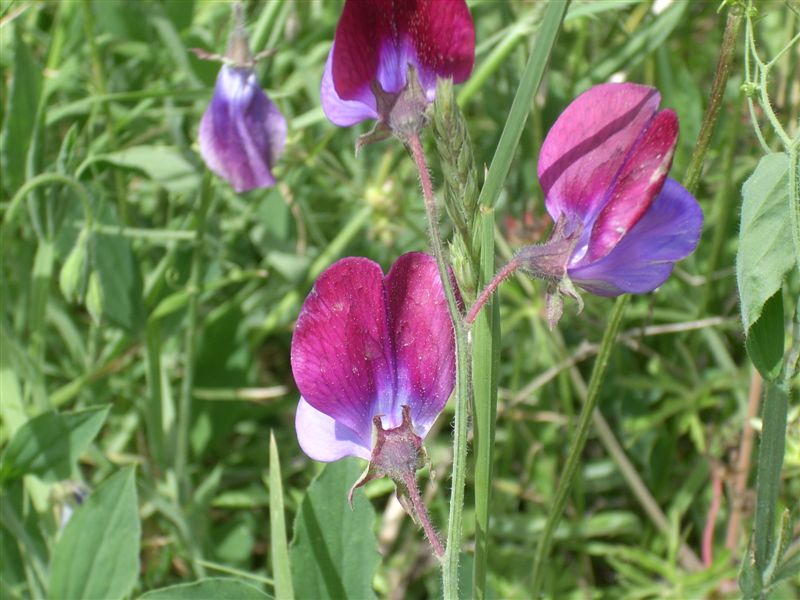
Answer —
463 379
581 435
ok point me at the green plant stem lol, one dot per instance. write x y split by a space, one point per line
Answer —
581 434
770 462
463 379
734 20
486 329
794 197
184 416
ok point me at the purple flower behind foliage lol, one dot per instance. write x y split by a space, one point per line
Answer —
242 132
620 221
366 346
377 40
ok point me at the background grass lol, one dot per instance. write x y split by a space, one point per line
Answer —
115 99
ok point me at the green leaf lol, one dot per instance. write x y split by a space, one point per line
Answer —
119 281
217 588
281 566
161 164
764 236
765 339
23 101
49 445
334 551
97 555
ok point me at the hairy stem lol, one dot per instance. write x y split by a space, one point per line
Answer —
463 378
422 514
726 54
503 274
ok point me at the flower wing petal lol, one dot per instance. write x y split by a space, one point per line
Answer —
644 258
423 338
324 439
587 145
242 133
637 185
341 354
343 112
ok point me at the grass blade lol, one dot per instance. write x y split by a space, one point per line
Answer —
277 522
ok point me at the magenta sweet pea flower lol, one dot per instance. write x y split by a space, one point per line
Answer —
366 346
376 42
242 132
621 223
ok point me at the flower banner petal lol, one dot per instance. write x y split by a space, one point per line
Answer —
588 144
424 345
644 258
376 40
341 354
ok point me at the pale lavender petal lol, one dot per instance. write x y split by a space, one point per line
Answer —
587 145
341 355
644 258
344 112
423 338
326 440
637 185
242 133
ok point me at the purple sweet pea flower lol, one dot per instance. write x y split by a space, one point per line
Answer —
242 132
368 348
376 42
621 224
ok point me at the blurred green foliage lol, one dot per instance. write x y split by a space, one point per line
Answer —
105 94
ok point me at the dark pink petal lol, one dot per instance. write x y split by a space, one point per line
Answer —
341 355
423 338
637 184
586 147
242 132
377 39
343 112
645 256
326 440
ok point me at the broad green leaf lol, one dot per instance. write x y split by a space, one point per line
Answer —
97 555
216 588
161 164
119 280
334 551
765 238
281 570
49 445
23 101
765 339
